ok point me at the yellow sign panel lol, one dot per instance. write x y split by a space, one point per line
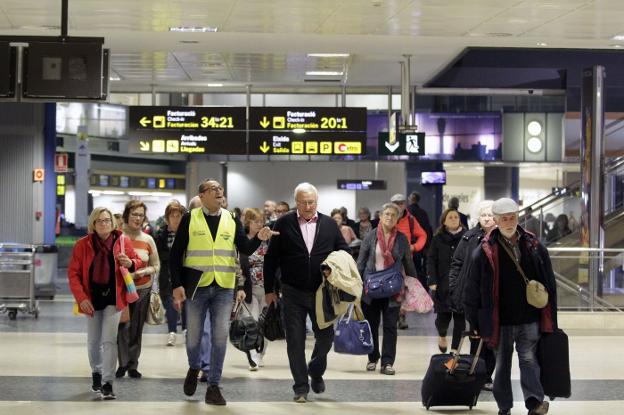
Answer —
161 183
279 122
159 121
158 146
348 147
297 147
326 147
311 147
173 146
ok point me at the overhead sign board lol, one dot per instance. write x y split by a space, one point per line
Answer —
307 130
190 130
401 144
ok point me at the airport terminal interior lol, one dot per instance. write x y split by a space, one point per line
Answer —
104 103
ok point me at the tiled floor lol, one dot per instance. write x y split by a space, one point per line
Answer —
44 370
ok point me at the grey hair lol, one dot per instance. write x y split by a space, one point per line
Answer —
484 205
306 187
391 206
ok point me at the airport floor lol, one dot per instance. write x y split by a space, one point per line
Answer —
44 370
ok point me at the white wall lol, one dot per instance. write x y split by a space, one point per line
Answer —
251 183
155 204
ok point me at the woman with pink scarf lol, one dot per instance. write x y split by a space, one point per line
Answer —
380 250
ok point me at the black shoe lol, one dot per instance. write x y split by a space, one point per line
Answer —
121 371
190 383
540 409
504 412
133 373
97 382
213 396
107 392
402 324
317 385
204 377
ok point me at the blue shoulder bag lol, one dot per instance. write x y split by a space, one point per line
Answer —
353 336
384 283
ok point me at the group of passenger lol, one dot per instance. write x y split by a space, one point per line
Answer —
205 258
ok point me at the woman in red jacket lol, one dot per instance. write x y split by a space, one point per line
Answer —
100 292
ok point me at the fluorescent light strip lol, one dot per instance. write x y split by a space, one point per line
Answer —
215 85
328 55
324 73
197 29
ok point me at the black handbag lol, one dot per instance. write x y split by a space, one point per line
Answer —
384 283
270 322
244 331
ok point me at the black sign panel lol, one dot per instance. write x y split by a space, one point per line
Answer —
313 143
7 71
361 184
307 118
189 130
402 144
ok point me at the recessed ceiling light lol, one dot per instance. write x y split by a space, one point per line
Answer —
114 78
618 37
214 85
193 29
328 55
542 44
324 73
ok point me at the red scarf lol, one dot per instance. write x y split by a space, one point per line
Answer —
101 261
386 250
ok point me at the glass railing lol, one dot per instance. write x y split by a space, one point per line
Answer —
578 288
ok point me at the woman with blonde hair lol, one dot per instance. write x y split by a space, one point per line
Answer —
98 287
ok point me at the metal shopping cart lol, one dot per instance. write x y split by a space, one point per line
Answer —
17 279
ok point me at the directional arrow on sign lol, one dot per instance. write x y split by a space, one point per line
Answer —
264 123
144 145
265 147
392 147
145 121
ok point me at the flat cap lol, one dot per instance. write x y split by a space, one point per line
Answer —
504 205
399 197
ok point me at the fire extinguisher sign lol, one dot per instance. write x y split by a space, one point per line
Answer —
60 162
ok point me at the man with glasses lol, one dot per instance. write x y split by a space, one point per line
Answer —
305 238
203 272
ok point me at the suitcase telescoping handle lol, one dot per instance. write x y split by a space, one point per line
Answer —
475 358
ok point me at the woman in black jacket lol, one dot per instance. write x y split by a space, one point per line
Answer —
439 257
460 268
164 239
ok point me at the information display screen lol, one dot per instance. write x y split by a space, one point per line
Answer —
190 130
433 177
308 118
362 184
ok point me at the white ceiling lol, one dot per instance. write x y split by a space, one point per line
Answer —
265 42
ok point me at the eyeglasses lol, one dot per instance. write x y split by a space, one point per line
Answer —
137 215
103 221
306 202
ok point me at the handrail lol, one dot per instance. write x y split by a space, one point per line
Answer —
585 295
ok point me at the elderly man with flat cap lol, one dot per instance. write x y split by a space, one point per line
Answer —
497 308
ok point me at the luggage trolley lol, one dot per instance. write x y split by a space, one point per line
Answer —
17 279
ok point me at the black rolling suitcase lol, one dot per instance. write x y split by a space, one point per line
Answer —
454 381
554 360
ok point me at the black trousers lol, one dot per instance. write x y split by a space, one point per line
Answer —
296 306
459 325
130 334
374 312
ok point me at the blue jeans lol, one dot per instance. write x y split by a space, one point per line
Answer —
215 303
171 313
525 336
205 349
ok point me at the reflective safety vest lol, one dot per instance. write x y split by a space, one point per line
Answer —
215 258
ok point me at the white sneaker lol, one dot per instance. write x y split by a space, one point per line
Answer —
171 339
253 368
259 361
